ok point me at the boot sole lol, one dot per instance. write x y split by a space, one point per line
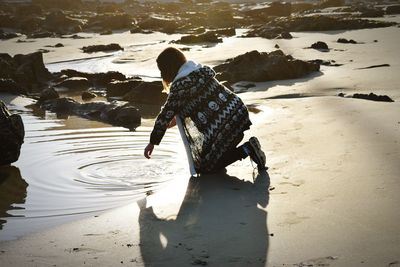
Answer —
258 151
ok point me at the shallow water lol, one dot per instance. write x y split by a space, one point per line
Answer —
75 168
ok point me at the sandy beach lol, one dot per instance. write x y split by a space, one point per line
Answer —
329 198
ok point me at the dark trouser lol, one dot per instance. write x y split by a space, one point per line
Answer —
230 156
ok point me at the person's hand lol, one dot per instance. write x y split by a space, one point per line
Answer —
148 150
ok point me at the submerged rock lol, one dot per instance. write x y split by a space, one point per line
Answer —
261 66
12 135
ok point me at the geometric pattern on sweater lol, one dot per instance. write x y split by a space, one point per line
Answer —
214 118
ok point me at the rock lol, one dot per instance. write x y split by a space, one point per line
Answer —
276 46
42 34
275 27
146 92
320 46
159 24
29 10
60 105
341 94
59 45
57 21
97 79
274 9
208 37
8 35
345 41
126 116
391 10
10 86
29 71
107 32
301 7
88 95
285 35
264 67
120 88
75 83
104 48
12 135
374 97
47 94
110 21
116 113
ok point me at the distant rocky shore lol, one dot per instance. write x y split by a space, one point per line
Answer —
197 19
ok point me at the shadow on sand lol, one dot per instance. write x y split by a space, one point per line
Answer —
221 222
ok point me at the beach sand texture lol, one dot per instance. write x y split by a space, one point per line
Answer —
329 198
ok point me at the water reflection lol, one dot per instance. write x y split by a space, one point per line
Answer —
222 221
12 191
77 167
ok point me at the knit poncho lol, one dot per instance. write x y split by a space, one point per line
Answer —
214 117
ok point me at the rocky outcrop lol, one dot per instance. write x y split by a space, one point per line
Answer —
374 97
48 94
109 21
159 24
120 88
322 46
394 9
27 71
101 48
59 22
88 95
211 36
10 86
115 113
345 41
147 93
12 135
261 66
74 83
275 27
100 79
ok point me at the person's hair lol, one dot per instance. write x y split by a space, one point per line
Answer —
169 61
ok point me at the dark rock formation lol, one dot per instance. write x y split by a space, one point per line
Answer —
208 37
109 21
10 86
159 24
116 113
345 41
120 88
58 21
27 71
278 25
146 92
96 79
104 48
394 9
12 135
75 83
88 95
48 94
320 46
8 35
258 67
374 97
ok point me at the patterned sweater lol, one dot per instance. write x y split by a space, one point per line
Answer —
214 117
